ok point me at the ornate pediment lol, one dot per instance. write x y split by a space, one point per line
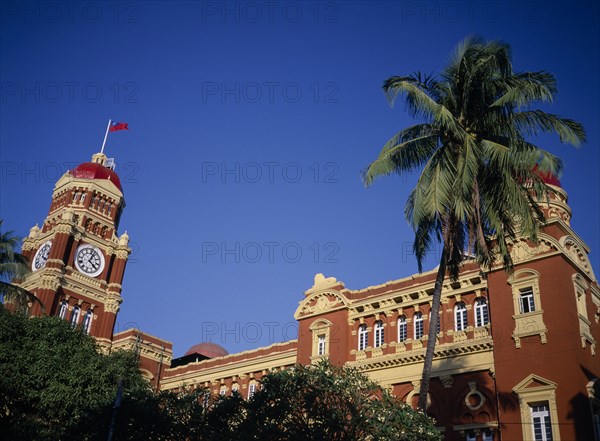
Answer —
533 381
577 253
523 250
320 302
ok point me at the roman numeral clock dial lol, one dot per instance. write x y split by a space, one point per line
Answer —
41 257
89 260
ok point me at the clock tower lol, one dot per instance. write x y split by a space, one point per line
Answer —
77 258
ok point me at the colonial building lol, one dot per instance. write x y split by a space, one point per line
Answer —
516 356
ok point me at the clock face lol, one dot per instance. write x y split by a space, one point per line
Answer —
89 260
40 258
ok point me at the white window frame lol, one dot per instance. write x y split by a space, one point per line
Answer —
64 308
75 314
418 324
363 337
541 417
87 321
321 344
460 317
402 329
526 300
251 389
482 312
378 334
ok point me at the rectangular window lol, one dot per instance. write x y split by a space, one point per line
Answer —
402 330
540 417
363 337
251 389
526 302
418 326
471 436
460 317
321 345
378 334
481 313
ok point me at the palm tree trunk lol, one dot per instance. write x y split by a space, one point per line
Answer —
434 319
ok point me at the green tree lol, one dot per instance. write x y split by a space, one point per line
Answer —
13 265
324 402
55 385
480 183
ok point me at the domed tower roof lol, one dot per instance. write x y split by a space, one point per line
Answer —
548 178
96 170
207 349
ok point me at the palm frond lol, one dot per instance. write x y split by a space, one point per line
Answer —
400 158
19 297
525 88
533 122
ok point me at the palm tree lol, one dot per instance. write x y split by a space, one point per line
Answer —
14 265
481 179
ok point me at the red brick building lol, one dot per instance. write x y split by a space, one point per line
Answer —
515 358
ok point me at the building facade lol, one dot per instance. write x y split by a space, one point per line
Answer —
515 356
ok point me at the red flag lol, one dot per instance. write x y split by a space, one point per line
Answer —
116 126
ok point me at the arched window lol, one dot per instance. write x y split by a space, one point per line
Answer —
75 315
87 321
402 329
481 312
379 337
460 317
418 325
64 307
363 337
320 330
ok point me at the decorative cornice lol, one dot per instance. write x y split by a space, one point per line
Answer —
418 356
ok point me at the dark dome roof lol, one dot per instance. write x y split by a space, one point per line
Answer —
208 349
93 170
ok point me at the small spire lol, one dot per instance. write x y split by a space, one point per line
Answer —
124 239
34 231
99 158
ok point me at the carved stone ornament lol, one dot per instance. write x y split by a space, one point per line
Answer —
577 255
320 303
50 281
112 303
522 250
321 282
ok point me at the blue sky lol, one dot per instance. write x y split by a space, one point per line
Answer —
249 125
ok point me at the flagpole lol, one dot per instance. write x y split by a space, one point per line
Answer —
105 136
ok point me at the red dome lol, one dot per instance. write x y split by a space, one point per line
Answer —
208 349
93 170
548 178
